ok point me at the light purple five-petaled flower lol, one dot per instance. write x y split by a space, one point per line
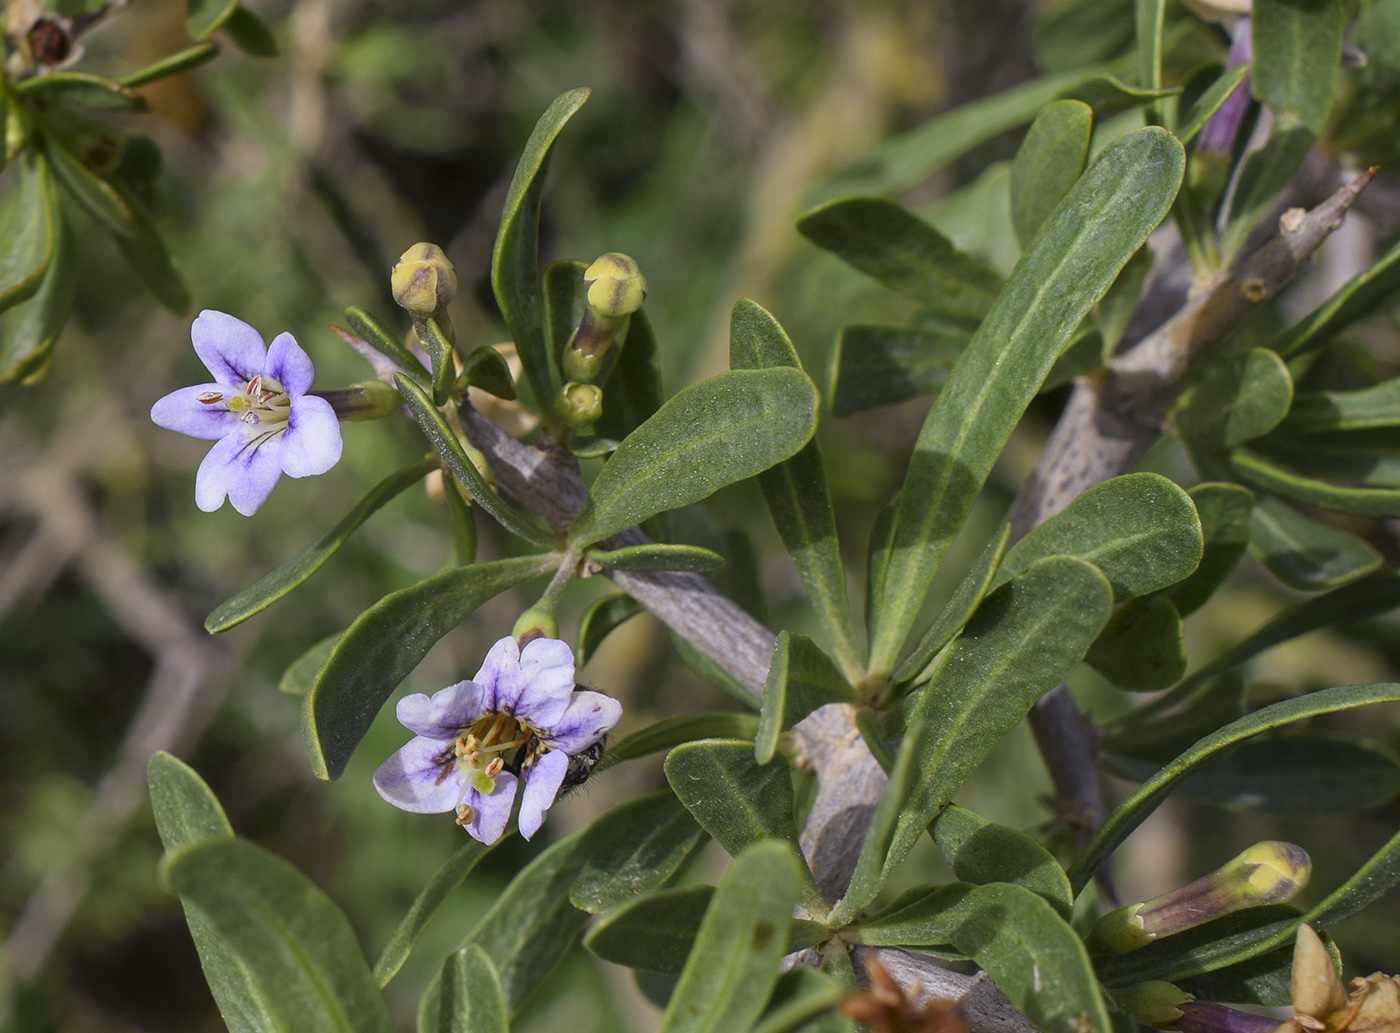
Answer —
258 411
519 719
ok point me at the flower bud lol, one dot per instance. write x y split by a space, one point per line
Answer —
368 400
536 622
579 405
1203 1017
1155 1003
423 282
616 286
1267 873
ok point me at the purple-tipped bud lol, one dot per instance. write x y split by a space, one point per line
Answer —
1218 134
1202 1017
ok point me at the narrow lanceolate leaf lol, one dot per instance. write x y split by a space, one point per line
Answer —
510 515
1140 529
880 365
297 948
28 231
1209 102
1374 502
981 851
1133 811
1107 94
1050 159
172 64
472 1000
603 616
1023 641
204 16
801 678
1304 554
734 964
1073 261
1021 941
1371 408
382 340
1149 15
187 812
515 264
1363 294
675 730
385 643
441 886
1143 648
31 328
80 89
801 996
796 490
1225 511
904 253
298 678
658 556
91 191
633 849
272 587
712 434
1297 51
1246 399
441 356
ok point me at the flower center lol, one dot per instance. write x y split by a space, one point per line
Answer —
482 751
263 406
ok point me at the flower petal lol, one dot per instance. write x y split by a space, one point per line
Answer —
589 716
445 715
547 668
411 779
311 443
500 675
182 411
289 365
542 784
490 813
241 466
231 349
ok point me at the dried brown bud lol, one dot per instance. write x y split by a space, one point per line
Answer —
886 1008
1321 1003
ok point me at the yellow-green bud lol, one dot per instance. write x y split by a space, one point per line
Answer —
423 282
1155 1003
1267 873
536 622
616 286
579 405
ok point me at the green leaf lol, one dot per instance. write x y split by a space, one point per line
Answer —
31 328
1374 502
712 672
676 730
1073 261
1371 408
1021 941
734 963
374 333
632 391
799 996
632 850
657 556
515 269
385 643
1143 648
1133 811
1117 308
1304 554
28 234
471 999
532 925
880 365
796 490
1266 980
734 798
171 64
273 586
601 618
1149 18
1140 529
1360 296
654 933
1225 511
92 191
1297 51
444 882
1245 399
709 435
249 33
1107 94
801 678
904 160
958 611
204 16
981 851
149 258
564 301
510 515
904 253
1209 103
441 355
296 947
462 526
1162 737
1024 639
486 368
297 679
1264 175
1050 159
80 90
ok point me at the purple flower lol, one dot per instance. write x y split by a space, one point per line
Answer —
1218 134
258 411
520 719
